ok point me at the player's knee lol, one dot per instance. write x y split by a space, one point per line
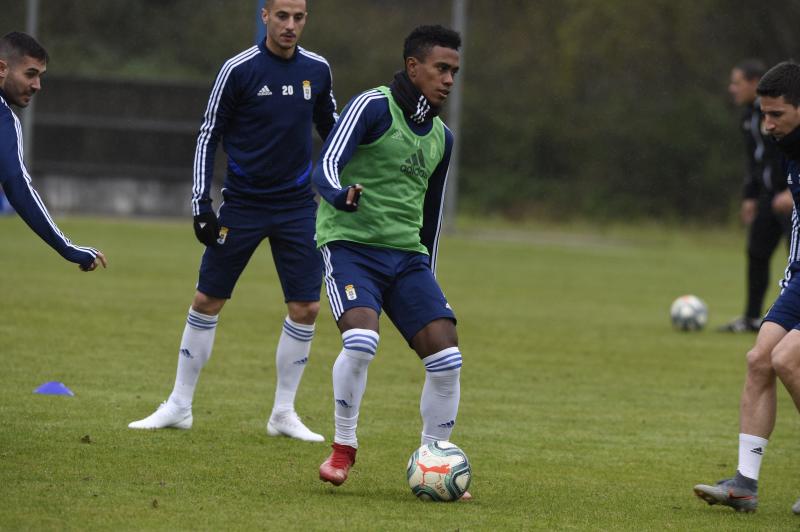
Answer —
786 359
358 318
206 304
436 336
759 361
304 312
360 344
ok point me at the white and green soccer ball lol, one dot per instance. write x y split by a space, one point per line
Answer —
688 313
439 471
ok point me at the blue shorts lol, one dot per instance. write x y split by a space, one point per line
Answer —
400 282
291 238
786 309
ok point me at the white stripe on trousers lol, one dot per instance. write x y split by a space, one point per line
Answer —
330 285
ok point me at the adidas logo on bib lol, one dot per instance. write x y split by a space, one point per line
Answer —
415 165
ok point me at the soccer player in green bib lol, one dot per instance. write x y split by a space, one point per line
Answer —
382 177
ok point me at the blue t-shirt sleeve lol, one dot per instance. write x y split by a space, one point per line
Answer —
364 119
434 202
24 198
220 108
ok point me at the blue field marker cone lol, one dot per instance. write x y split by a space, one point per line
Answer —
54 388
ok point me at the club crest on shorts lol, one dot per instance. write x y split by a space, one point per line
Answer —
223 235
350 292
307 90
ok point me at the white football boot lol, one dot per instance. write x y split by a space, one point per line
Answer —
168 416
289 424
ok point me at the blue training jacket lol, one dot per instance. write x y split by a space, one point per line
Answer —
23 197
262 106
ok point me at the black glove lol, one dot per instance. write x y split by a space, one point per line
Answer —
206 228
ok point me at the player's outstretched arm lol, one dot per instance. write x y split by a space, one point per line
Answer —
30 207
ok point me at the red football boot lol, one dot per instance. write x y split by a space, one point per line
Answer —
337 466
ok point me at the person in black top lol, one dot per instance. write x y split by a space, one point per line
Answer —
766 204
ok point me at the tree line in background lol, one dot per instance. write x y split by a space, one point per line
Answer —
612 109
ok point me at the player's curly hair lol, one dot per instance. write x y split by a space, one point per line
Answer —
782 80
16 45
422 38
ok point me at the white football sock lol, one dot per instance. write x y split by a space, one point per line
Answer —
751 451
196 344
291 357
440 394
350 381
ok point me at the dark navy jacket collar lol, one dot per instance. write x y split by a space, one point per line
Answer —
263 47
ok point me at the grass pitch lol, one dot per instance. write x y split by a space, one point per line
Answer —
581 408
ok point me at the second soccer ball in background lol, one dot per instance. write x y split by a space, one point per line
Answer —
688 313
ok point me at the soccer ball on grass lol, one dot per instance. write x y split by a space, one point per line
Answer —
688 313
439 471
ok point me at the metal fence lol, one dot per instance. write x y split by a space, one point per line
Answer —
117 147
